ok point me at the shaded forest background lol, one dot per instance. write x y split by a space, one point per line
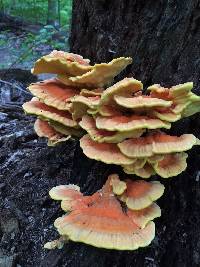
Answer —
32 28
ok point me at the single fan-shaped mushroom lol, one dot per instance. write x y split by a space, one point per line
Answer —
141 194
53 93
141 102
35 107
102 74
80 105
107 153
129 123
142 217
171 165
65 192
66 130
125 87
118 187
146 171
157 143
43 129
59 62
88 123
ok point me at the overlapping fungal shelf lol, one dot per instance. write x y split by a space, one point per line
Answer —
119 216
123 126
117 123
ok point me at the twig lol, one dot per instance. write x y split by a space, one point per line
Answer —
10 107
15 86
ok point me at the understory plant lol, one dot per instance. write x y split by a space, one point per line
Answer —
117 123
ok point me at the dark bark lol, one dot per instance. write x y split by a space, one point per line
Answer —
161 36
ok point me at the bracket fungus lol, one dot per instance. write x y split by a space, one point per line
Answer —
156 143
54 93
120 120
141 194
105 152
101 221
38 108
59 62
88 123
44 129
117 123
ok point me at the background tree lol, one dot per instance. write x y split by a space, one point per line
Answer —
52 16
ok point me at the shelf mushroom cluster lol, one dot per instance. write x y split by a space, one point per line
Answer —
122 123
117 124
119 216
58 103
125 128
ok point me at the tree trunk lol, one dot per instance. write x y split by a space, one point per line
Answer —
163 39
52 16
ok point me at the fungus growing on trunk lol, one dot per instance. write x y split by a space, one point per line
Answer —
43 129
40 109
105 152
88 123
117 118
59 62
80 105
102 74
129 123
54 93
122 126
99 220
156 143
141 194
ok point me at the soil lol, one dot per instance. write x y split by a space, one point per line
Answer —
29 169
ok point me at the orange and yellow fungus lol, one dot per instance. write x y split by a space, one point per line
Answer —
81 104
125 87
171 165
105 152
101 221
59 62
102 74
141 194
128 123
40 109
43 129
156 143
119 119
88 123
54 93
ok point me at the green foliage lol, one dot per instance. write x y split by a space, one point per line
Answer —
47 36
36 11
22 50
